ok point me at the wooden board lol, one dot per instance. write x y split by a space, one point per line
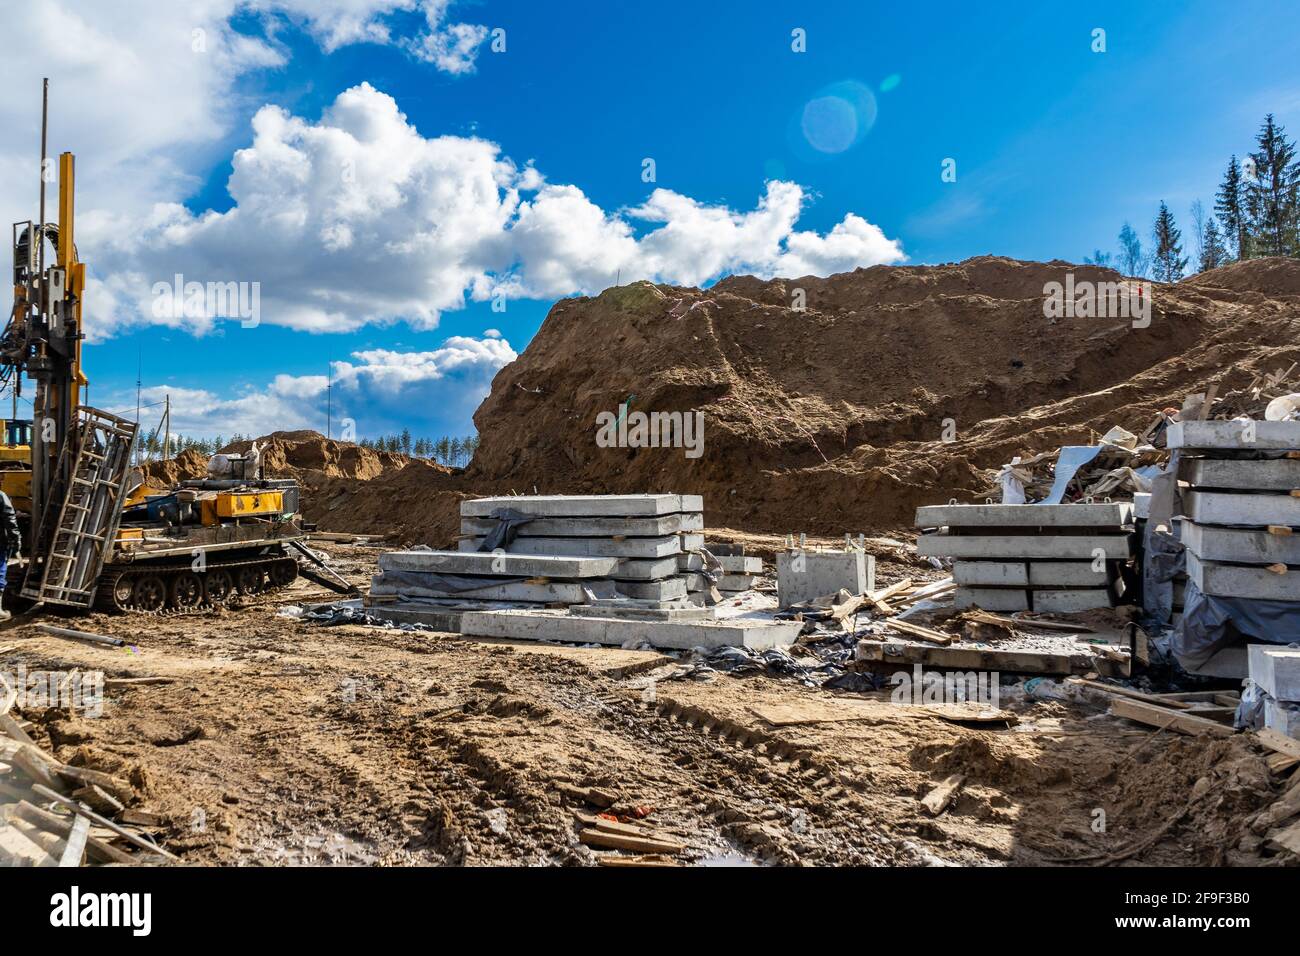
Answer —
962 658
1179 720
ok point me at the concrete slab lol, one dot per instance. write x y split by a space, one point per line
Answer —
554 592
438 618
594 527
677 635
805 575
1141 505
1082 546
690 562
1255 582
991 573
736 582
643 613
1242 545
633 569
1267 436
1276 669
737 564
585 506
661 547
1268 474
1104 515
1071 601
992 599
1221 507
524 565
695 581
1069 574
1283 717
669 589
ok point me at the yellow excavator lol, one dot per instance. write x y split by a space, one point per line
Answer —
95 537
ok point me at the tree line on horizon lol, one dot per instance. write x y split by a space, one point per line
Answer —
1256 214
449 450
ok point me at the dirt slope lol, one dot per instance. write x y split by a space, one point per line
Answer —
831 419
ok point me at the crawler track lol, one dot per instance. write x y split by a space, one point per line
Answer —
158 588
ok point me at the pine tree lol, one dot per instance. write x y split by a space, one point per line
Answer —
1098 258
1213 253
406 442
444 450
1273 193
1132 261
1229 205
1169 263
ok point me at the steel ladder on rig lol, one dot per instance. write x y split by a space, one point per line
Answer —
90 510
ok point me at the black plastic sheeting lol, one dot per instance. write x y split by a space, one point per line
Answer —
1211 624
508 522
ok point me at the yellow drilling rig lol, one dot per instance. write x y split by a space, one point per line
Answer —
94 535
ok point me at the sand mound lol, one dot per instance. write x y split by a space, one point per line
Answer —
834 418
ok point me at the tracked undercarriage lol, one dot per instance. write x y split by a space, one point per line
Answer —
172 586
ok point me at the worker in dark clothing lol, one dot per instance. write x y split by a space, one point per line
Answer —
11 542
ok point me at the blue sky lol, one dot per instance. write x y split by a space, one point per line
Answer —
1055 147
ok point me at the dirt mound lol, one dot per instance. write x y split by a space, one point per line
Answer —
293 453
895 386
166 473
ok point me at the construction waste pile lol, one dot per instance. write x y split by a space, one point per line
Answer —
54 813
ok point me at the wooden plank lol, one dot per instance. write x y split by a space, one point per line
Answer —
938 799
924 633
600 839
62 826
1276 740
1179 720
1159 700
964 658
126 834
75 851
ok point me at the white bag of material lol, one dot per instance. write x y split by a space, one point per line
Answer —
1013 492
219 466
1284 408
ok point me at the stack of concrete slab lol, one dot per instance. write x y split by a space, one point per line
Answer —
460 576
1276 672
1241 512
1053 558
647 536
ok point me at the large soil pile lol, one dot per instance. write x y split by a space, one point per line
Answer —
832 419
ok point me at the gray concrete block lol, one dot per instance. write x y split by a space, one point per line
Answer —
1081 546
1104 515
806 575
690 562
669 589
1232 436
554 592
525 565
677 635
1241 545
1141 505
1071 601
661 547
736 582
1221 507
594 527
1282 716
1069 574
585 506
736 564
440 619
1266 474
643 613
695 581
634 569
1254 582
1275 668
991 573
992 599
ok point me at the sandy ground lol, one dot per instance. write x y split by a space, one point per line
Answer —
285 742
